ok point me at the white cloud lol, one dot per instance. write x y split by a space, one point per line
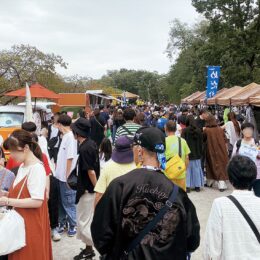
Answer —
94 36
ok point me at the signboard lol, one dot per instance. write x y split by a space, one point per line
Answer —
213 76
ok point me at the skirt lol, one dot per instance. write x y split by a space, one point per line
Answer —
194 175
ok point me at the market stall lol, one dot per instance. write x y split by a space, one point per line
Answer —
225 100
194 97
185 100
243 97
212 101
198 99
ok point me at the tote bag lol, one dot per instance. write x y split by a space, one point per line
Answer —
13 228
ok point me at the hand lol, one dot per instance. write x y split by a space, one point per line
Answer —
3 201
3 193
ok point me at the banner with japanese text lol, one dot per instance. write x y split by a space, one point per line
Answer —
213 76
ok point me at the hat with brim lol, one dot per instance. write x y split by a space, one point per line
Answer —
123 152
81 127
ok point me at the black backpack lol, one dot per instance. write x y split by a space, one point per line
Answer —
54 140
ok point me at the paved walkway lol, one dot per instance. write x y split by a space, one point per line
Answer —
69 247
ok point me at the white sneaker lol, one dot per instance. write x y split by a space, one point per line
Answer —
55 235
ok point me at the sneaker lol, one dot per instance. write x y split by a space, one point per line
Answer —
55 235
85 254
188 190
72 231
197 189
61 230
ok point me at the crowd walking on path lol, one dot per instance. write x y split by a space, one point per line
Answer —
119 180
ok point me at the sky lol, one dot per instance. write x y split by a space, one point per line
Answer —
94 36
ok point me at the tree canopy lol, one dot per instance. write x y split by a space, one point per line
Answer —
229 36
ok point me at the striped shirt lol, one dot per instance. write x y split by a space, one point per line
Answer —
130 126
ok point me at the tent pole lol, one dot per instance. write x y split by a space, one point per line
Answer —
34 104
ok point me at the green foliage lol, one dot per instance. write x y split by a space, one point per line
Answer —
148 85
229 37
24 63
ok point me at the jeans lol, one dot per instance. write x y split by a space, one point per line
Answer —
53 202
67 209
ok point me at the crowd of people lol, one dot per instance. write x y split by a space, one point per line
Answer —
110 178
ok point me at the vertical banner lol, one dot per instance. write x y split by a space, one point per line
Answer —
213 76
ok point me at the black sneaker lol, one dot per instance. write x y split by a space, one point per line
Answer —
84 254
197 189
188 190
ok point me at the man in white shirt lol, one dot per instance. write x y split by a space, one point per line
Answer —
67 157
228 234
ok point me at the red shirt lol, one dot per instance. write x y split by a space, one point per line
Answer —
11 164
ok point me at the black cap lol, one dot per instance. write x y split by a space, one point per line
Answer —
81 127
151 138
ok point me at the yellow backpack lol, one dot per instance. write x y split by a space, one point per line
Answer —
175 169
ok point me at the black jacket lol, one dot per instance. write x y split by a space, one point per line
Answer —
194 139
133 200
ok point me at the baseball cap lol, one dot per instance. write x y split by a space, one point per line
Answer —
150 138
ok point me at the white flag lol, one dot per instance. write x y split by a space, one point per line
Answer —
28 106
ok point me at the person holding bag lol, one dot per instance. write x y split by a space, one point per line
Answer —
27 196
233 228
178 151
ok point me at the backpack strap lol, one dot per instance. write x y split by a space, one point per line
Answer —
151 225
127 130
180 151
238 145
99 122
246 216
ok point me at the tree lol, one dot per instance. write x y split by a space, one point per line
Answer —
229 37
148 85
235 30
187 74
24 63
180 37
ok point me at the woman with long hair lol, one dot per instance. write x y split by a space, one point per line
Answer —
216 153
105 151
32 204
194 138
233 132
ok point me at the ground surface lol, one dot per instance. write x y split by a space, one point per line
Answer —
69 247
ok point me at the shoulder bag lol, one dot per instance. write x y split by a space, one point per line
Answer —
13 227
175 167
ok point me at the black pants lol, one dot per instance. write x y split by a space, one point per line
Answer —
53 153
4 257
53 202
